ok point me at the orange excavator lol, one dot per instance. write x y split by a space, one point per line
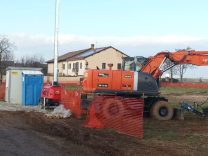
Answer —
118 99
138 80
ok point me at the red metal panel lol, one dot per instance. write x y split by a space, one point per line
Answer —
88 81
108 80
102 79
127 80
116 82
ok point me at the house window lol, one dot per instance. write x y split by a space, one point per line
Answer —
73 68
69 65
119 66
103 65
81 65
63 66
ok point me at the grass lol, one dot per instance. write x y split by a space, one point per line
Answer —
177 95
180 91
73 87
176 131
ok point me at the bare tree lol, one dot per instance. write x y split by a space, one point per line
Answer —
6 55
172 71
32 61
182 68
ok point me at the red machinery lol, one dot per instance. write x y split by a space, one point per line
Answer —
51 95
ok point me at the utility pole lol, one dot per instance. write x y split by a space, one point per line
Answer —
56 33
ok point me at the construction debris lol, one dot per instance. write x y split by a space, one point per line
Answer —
59 112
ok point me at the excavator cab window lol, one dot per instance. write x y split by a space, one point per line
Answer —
134 63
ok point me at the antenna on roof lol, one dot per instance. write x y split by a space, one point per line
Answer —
56 33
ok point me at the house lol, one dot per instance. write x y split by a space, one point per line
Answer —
76 62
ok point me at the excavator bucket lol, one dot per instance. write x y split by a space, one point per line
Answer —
124 115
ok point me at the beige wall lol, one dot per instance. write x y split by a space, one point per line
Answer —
60 67
108 56
50 68
49 79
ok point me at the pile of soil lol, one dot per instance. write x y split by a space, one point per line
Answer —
32 133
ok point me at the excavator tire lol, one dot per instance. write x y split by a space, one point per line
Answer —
161 110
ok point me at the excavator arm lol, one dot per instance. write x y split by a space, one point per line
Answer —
155 63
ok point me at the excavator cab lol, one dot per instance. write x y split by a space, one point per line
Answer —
134 63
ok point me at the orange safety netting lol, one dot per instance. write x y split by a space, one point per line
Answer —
124 115
2 91
71 100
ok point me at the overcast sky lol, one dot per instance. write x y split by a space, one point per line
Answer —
136 27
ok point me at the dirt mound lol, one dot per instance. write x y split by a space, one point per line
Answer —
68 137
71 129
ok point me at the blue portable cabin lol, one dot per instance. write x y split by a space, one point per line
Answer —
15 87
32 82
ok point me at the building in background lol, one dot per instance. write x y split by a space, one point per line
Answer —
74 63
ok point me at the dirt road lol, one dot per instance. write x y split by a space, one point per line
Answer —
33 134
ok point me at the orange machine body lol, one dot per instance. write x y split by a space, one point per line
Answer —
119 82
108 80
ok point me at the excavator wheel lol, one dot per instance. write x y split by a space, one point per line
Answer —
161 110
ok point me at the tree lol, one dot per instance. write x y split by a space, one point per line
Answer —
179 69
172 71
32 61
182 68
6 55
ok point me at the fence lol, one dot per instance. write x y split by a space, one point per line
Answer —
184 85
2 91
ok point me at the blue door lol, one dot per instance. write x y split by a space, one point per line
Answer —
32 85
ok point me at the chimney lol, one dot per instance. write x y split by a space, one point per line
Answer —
92 46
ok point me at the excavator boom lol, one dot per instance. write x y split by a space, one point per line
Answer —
155 63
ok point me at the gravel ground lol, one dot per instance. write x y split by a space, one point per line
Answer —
4 106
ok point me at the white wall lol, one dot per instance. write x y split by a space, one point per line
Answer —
69 71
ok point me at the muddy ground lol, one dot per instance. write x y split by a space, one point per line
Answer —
25 133
31 133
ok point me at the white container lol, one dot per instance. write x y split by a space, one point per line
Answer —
14 81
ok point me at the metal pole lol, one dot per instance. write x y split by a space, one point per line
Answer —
56 32
44 103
